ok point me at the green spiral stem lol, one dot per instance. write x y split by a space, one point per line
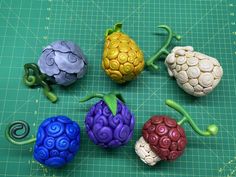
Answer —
211 129
12 135
110 99
33 77
164 49
117 28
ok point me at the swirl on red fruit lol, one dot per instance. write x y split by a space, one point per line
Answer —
181 143
161 129
121 132
153 139
145 134
164 153
104 135
55 129
174 146
164 142
173 155
151 128
170 122
49 142
174 134
62 143
156 120
147 124
181 131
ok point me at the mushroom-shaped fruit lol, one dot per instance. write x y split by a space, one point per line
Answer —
61 62
164 139
122 58
57 140
109 123
196 73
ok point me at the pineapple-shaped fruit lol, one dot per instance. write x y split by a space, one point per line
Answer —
122 58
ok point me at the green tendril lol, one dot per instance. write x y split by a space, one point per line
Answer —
12 135
164 49
117 28
110 99
33 77
211 129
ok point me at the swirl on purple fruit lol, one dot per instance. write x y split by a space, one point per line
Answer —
156 120
161 129
114 120
181 143
55 129
119 107
174 134
129 137
104 135
89 121
101 120
121 132
132 123
55 162
40 136
98 108
125 115
96 127
54 153
72 130
174 146
41 153
106 111
164 142
114 143
74 146
64 119
49 142
153 139
170 122
173 155
62 143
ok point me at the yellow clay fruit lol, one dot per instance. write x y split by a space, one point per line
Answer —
122 58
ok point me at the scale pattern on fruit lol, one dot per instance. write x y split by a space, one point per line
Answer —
122 59
196 73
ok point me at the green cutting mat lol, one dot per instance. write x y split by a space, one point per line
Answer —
208 25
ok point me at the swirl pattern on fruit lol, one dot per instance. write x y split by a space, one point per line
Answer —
58 140
106 129
122 59
167 140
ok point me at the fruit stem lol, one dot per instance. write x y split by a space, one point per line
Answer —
211 129
110 99
34 77
164 49
12 136
117 28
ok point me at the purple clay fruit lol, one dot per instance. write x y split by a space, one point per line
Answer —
109 123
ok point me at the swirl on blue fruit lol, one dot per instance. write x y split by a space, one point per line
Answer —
49 142
72 130
55 129
62 143
58 140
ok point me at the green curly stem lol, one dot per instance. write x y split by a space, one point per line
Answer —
117 28
164 49
12 135
34 77
211 129
110 99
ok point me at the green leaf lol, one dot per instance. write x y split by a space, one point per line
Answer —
111 102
